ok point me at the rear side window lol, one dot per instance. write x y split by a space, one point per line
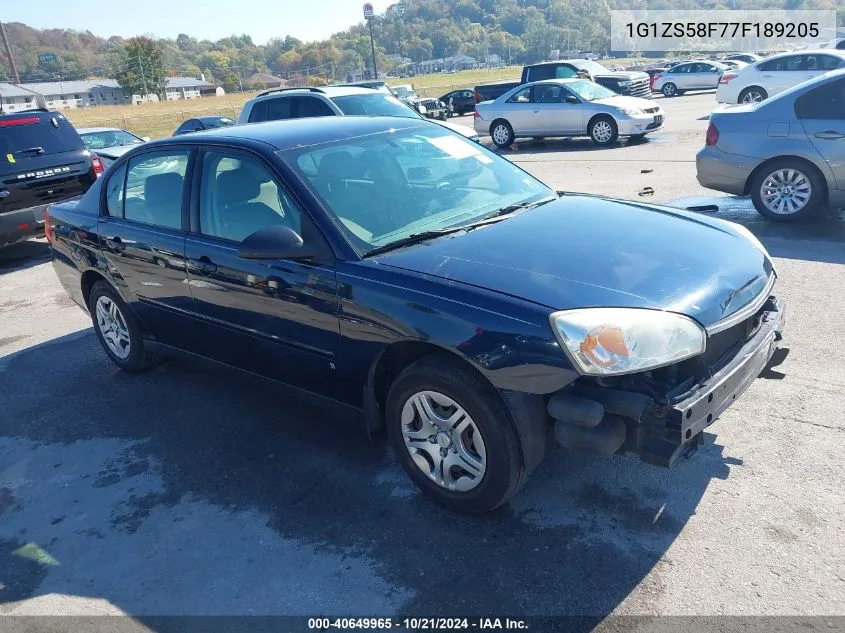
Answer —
791 63
154 186
21 137
824 102
114 192
272 110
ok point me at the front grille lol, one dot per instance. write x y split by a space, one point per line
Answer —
640 88
430 104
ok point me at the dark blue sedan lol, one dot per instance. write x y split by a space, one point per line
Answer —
394 268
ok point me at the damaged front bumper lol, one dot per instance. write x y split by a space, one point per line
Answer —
608 421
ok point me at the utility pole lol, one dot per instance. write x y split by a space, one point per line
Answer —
369 15
240 84
9 54
143 78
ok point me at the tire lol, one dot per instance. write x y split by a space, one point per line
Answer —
669 89
803 199
603 130
480 488
101 298
752 94
503 130
637 137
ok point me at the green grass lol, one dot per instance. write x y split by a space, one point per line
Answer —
438 84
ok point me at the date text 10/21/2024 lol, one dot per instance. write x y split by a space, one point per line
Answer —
417 624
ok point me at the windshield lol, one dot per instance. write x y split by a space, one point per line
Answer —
403 92
376 104
591 67
109 138
385 187
589 91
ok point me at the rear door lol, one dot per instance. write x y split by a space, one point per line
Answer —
141 231
822 113
42 160
708 76
274 317
680 76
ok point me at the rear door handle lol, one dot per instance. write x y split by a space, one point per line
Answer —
204 265
830 135
115 244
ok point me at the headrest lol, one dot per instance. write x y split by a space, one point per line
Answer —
163 189
338 166
240 185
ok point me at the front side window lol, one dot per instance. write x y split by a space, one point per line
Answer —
385 187
549 94
311 107
565 72
155 184
239 196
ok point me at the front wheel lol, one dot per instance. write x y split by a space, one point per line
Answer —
118 330
603 131
502 133
787 191
669 90
453 436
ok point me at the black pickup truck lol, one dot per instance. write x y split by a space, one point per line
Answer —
42 161
634 84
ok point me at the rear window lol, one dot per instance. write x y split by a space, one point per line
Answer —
26 132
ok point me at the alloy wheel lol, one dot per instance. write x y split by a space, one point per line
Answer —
443 441
113 328
786 191
752 96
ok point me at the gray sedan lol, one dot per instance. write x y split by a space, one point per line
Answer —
787 152
109 143
566 107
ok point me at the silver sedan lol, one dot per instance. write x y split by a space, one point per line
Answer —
566 107
787 153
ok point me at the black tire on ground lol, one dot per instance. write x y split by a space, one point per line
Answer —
594 127
504 131
818 189
669 89
505 472
139 358
747 92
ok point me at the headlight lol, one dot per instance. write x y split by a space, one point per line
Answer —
629 111
421 109
612 341
624 84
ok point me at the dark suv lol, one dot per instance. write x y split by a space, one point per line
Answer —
42 160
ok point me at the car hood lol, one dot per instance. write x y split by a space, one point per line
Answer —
115 152
623 75
584 251
620 101
460 129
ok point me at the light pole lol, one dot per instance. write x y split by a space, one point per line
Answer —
369 14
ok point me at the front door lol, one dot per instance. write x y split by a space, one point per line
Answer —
521 112
556 117
822 113
274 317
142 238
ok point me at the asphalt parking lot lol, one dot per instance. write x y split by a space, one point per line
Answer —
193 490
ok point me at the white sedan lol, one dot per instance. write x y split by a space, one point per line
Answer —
775 74
566 107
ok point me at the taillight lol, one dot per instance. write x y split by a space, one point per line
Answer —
712 136
727 77
48 227
22 121
97 164
475 114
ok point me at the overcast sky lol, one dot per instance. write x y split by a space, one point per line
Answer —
203 19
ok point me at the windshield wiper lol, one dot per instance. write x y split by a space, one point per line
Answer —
499 215
414 238
37 150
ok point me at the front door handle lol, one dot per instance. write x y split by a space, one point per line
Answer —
115 244
830 135
203 265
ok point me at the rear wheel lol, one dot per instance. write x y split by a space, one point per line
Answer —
453 435
502 133
118 330
752 94
603 130
787 191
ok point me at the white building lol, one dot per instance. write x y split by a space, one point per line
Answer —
14 99
186 88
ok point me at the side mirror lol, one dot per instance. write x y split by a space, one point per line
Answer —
275 242
571 99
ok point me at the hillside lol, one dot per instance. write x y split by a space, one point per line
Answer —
517 30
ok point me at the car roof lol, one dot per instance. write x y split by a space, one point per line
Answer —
328 91
94 130
212 117
809 51
302 132
562 80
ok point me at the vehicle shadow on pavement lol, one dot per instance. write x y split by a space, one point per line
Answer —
198 490
23 255
530 147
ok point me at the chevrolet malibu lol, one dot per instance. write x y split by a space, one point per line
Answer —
566 107
410 275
